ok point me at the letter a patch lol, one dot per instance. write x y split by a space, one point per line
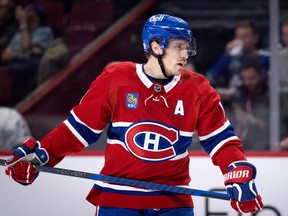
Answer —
179 109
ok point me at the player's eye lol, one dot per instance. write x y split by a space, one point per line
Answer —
179 47
182 46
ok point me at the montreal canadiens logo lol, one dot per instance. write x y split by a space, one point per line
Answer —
151 141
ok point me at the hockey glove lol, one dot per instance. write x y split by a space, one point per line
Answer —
240 185
20 166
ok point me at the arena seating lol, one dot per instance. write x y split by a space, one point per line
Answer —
5 88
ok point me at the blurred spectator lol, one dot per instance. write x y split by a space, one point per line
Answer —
190 65
225 72
283 57
33 35
284 144
55 58
13 129
7 30
22 55
251 106
283 76
7 23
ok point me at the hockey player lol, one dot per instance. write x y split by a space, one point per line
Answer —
152 110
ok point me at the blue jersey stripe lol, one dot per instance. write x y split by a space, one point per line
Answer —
88 135
210 143
118 133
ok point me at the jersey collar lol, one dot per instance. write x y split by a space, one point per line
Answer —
148 83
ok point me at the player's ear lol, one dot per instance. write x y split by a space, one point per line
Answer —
156 48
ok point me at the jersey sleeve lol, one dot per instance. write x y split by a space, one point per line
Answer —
85 123
216 133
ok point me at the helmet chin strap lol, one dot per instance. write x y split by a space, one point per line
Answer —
159 57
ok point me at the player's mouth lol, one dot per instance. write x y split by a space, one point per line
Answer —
181 64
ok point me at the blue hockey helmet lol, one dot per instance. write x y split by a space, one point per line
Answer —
164 27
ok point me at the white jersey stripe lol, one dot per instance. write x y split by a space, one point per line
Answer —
81 122
217 147
219 130
121 124
142 76
178 157
186 133
117 142
127 124
127 188
76 134
173 83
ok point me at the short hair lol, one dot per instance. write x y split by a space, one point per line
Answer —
41 13
284 22
252 62
12 6
248 24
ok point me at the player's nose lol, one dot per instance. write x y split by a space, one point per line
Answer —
184 54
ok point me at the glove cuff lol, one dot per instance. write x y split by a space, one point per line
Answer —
30 151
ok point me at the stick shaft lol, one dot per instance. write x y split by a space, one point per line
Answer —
130 182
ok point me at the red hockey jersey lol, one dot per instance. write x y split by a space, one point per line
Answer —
151 124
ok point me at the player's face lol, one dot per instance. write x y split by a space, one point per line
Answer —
176 55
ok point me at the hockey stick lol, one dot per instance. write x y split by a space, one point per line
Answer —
130 182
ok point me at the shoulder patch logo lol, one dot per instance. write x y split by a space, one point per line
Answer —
132 100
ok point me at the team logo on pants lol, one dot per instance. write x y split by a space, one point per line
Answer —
151 141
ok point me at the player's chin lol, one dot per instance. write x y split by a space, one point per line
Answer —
174 73
177 72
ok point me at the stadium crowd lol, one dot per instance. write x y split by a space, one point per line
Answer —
33 49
